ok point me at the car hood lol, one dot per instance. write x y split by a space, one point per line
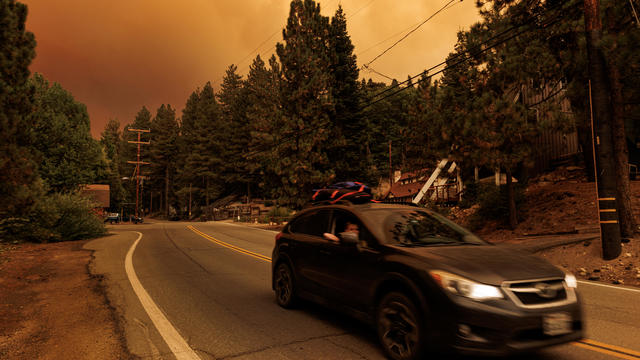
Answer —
488 264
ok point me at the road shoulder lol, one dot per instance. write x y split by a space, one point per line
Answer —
52 307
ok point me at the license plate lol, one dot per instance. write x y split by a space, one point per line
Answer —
556 324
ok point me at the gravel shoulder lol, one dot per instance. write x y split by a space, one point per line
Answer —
52 308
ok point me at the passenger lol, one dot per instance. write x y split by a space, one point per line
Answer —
351 227
348 227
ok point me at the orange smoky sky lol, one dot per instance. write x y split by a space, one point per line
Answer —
116 56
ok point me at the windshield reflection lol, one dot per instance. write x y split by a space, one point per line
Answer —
419 228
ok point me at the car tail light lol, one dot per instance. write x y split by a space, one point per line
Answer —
278 236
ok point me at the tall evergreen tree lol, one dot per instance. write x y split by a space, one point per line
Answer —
111 140
235 131
347 153
163 150
67 154
202 147
263 117
306 103
18 178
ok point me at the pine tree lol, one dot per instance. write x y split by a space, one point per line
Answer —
201 144
234 131
111 140
163 150
347 153
19 186
302 162
67 154
263 117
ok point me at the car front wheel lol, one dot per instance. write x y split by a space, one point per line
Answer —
284 286
400 328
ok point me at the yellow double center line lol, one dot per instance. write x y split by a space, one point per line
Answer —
612 350
616 351
229 246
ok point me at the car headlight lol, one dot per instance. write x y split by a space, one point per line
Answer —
571 281
458 285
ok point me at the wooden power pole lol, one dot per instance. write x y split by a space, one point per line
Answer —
603 138
138 164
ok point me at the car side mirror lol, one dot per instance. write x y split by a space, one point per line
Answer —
349 238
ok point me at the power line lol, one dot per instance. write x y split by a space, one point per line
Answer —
258 47
396 34
527 22
370 69
262 53
365 6
409 33
555 20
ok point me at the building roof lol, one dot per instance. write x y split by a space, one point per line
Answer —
403 190
98 193
414 174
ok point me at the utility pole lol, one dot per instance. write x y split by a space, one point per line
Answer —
138 163
603 139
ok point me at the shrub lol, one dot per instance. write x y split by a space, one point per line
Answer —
494 203
279 214
69 217
56 217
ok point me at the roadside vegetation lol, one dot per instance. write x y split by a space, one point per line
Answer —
285 129
46 146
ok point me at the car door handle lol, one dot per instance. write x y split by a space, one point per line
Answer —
325 252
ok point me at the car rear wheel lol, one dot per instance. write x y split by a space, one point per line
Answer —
284 286
400 328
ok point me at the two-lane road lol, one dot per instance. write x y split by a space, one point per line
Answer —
203 291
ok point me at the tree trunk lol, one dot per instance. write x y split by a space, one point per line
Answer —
513 215
206 194
621 155
166 191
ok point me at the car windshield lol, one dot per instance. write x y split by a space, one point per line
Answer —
422 228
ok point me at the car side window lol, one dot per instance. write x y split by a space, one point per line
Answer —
345 221
315 223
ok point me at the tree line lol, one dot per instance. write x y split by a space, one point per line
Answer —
306 117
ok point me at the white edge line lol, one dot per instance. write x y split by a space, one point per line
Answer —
176 343
608 286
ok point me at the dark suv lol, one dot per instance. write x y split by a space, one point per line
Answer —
425 283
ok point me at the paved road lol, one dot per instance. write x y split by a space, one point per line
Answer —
204 293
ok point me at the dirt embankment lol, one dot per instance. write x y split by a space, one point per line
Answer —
562 203
51 308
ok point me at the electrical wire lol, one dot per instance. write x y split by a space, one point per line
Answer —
446 6
527 22
370 69
365 6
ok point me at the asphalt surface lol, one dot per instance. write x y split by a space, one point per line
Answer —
211 283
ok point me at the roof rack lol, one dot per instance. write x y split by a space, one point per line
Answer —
408 203
329 202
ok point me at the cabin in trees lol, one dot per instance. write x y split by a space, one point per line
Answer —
99 194
445 187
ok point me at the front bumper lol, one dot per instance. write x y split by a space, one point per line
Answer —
502 328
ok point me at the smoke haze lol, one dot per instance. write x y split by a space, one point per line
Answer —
116 56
